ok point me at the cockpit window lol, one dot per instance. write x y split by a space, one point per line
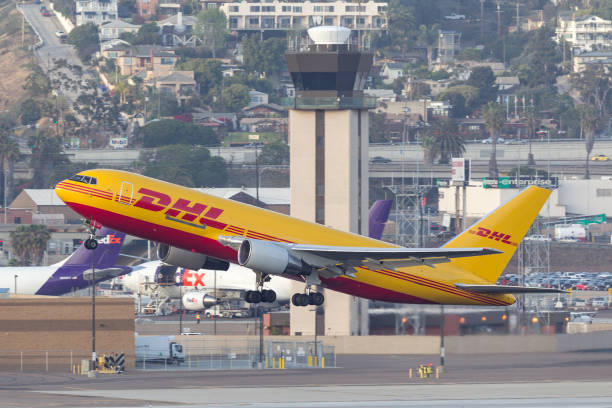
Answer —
84 179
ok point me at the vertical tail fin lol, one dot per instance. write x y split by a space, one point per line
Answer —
105 255
379 213
503 229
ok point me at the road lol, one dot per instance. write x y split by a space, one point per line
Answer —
52 48
526 380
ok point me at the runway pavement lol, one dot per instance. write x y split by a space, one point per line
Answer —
504 380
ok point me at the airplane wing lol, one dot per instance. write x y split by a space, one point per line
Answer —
501 289
336 260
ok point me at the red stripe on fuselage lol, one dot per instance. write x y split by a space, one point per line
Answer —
156 232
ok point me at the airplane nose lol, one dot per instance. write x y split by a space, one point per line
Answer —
61 193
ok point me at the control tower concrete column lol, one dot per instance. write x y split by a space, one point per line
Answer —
328 136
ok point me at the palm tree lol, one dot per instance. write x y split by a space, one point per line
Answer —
444 141
29 242
588 123
495 118
9 154
532 123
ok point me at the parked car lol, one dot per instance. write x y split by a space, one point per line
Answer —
379 159
500 140
455 16
537 238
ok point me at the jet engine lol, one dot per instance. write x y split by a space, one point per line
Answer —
269 258
188 259
197 300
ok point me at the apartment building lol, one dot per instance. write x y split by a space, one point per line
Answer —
95 11
278 15
589 33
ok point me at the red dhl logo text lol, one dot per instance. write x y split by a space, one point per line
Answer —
495 235
155 201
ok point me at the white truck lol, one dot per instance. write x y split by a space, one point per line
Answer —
570 232
158 348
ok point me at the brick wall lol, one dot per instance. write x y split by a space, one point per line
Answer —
49 333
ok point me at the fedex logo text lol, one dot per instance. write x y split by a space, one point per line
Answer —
110 239
495 235
193 278
156 201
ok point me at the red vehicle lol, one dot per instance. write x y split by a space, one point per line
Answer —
47 13
582 286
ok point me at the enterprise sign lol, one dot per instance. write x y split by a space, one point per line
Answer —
520 182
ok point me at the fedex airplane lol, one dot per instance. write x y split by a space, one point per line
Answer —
195 287
199 231
72 273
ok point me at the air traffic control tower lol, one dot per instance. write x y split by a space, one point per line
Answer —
328 135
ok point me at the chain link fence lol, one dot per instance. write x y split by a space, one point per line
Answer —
212 355
37 361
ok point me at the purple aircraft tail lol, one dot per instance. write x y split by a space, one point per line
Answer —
105 255
379 213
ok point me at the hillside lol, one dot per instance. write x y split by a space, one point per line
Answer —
13 57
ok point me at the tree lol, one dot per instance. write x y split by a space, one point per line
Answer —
539 60
428 37
190 166
207 73
589 124
146 34
483 78
495 118
236 97
263 57
9 154
402 24
212 29
30 112
46 155
85 39
274 153
30 243
595 87
377 127
175 132
443 141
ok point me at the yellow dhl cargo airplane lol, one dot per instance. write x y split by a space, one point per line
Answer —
196 230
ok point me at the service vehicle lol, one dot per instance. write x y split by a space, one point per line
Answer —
158 348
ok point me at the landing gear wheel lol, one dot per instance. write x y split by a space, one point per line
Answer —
316 299
91 243
299 299
252 296
268 296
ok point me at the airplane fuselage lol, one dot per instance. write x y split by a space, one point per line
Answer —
194 221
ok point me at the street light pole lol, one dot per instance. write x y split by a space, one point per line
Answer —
93 312
15 291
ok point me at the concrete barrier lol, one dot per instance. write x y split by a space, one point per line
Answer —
483 344
64 21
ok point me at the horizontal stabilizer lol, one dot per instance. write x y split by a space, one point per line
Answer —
502 289
104 274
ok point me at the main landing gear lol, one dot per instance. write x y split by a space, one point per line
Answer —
305 299
260 295
255 296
